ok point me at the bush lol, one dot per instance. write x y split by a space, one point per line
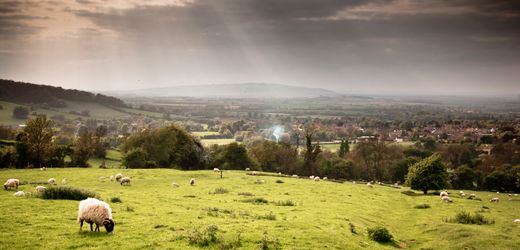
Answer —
246 194
422 206
115 200
268 216
204 238
279 181
67 193
219 190
464 217
135 159
258 200
379 234
285 203
269 243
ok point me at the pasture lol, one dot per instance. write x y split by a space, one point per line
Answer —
288 212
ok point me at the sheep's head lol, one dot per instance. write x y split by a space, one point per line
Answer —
109 225
5 186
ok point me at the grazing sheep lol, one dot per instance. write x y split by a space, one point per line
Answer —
40 189
311 177
396 184
43 169
254 173
126 180
174 184
51 181
496 199
259 181
216 170
64 181
295 176
192 181
353 182
94 211
443 193
316 178
370 185
446 199
472 195
279 173
498 192
11 183
248 169
19 194
325 178
516 194
516 221
101 178
118 177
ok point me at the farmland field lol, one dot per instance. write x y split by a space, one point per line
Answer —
204 133
209 142
297 213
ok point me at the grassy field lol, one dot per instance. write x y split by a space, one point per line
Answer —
153 214
113 160
209 142
204 133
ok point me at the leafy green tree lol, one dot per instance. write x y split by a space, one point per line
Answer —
464 178
135 159
20 112
82 150
274 157
231 156
38 138
428 174
344 148
311 151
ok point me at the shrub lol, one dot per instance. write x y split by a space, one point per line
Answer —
67 193
268 216
219 190
422 206
464 217
269 243
279 181
115 200
379 234
246 194
258 200
204 238
285 203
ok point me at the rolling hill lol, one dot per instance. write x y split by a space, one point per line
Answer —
240 90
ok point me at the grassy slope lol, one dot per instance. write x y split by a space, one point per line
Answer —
163 216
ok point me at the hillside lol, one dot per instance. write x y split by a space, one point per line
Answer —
297 213
241 90
21 92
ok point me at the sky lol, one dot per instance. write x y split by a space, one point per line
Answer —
457 47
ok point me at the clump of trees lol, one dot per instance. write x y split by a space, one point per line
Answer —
428 174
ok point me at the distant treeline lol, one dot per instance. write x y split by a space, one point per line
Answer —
22 92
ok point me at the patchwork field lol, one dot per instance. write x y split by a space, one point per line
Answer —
291 213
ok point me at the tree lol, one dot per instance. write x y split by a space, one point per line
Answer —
463 178
134 159
343 148
82 150
274 157
231 156
38 138
311 151
20 112
428 174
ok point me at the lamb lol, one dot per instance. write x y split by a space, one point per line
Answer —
19 194
316 178
118 177
443 193
52 181
40 189
216 170
174 184
11 183
192 181
446 199
125 180
496 199
94 211
64 181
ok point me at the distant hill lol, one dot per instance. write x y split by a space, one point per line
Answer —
239 90
21 92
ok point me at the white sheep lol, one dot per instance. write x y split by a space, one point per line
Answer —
279 173
118 177
111 178
496 199
443 193
254 173
174 184
43 169
19 194
311 177
126 180
101 178
316 178
446 199
516 194
216 170
295 176
94 211
64 181
248 169
51 181
192 181
11 183
40 189
370 185
325 178
516 221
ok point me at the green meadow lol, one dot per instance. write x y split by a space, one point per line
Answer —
283 212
